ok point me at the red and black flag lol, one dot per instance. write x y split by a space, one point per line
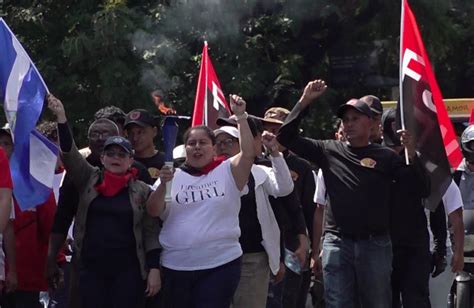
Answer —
210 102
423 110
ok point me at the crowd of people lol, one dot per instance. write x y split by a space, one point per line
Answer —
252 214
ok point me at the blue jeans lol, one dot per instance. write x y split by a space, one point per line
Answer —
357 271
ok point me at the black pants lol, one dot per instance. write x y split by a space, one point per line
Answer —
123 287
209 288
410 277
296 289
22 299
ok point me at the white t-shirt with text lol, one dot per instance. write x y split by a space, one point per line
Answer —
201 223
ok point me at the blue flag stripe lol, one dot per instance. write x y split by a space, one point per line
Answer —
23 87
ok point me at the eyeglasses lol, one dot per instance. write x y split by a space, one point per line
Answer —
119 154
226 142
98 135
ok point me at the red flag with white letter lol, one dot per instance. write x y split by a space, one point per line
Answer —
210 102
423 110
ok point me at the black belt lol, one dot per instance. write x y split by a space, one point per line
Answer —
360 236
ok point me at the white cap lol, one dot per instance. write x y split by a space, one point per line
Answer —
179 152
231 130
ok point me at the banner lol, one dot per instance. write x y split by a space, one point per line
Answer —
423 110
210 102
23 91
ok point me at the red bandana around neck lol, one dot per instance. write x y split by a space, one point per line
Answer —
112 184
206 169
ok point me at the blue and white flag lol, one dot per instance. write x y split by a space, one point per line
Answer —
23 91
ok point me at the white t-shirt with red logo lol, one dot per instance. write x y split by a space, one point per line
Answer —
201 223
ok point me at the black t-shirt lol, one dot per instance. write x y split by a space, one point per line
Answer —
109 239
358 180
408 224
305 186
153 164
250 229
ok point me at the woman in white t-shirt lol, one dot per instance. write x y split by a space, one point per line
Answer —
200 236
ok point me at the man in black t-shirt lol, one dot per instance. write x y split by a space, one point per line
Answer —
141 129
359 176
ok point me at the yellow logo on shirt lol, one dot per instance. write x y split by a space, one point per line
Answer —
368 162
154 172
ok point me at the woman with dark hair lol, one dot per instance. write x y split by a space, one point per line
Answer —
200 235
115 242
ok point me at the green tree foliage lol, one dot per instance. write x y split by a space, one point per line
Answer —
115 52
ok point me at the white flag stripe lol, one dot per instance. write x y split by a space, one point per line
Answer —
41 157
19 70
57 183
15 40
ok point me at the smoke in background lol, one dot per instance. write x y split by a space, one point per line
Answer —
176 32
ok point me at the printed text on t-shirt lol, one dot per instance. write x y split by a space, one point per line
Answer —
195 193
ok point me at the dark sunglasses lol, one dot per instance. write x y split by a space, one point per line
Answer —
119 154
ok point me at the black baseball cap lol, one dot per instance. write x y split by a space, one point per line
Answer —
356 104
140 117
121 142
374 104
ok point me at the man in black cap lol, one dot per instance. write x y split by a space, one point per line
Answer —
377 110
141 129
358 175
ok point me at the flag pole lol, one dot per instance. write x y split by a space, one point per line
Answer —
206 83
400 78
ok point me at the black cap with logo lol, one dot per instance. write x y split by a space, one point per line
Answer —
356 104
140 117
